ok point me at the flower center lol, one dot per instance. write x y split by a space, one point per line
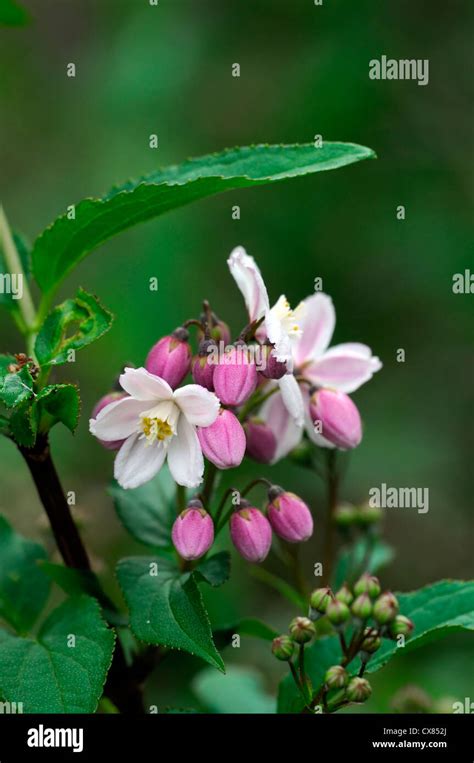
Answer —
155 429
159 423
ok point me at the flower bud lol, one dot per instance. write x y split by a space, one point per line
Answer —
385 608
400 626
371 642
170 358
368 515
261 442
345 515
235 376
345 594
203 366
251 533
289 516
193 531
337 612
302 630
362 607
271 367
219 330
336 677
339 417
112 397
367 584
358 690
223 442
320 599
283 647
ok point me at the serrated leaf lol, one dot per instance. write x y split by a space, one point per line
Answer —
24 588
148 512
53 674
5 362
16 388
445 606
62 404
24 424
166 608
84 316
215 570
240 690
66 242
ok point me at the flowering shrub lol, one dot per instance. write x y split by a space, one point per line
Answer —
206 398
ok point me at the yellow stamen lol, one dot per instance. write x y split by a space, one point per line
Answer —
156 429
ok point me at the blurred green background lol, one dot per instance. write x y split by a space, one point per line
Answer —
304 71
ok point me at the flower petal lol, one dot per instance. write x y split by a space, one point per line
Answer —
185 459
287 433
292 398
142 385
317 323
248 278
117 420
200 406
137 462
344 367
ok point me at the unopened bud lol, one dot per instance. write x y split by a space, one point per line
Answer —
358 690
235 376
368 515
251 534
385 608
289 516
170 358
338 612
400 626
339 418
223 442
362 607
193 531
302 630
345 515
371 642
283 647
367 584
261 441
336 677
320 599
271 367
345 595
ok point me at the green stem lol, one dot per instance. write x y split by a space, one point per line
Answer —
180 498
14 266
329 541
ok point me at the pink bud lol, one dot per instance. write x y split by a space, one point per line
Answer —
170 358
251 534
261 442
235 376
203 365
289 516
339 417
193 531
272 368
223 443
112 397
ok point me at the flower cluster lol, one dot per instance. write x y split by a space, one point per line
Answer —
360 612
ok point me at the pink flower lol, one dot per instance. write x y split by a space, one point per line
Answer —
223 442
193 531
251 533
170 358
202 366
338 417
261 441
289 516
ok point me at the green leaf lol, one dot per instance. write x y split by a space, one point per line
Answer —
66 242
12 288
16 388
71 326
24 588
4 425
12 14
24 424
5 362
61 403
166 608
148 512
367 555
240 690
53 673
215 570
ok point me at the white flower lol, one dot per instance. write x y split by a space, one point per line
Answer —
156 423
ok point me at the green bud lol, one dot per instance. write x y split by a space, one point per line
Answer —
358 690
362 607
401 625
368 515
336 677
345 515
344 594
338 612
385 608
319 599
371 642
283 647
302 630
367 584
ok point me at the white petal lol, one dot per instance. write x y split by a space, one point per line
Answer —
142 385
344 367
137 462
185 459
198 404
292 398
317 323
248 278
287 433
117 420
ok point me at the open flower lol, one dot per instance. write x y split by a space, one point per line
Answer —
156 423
